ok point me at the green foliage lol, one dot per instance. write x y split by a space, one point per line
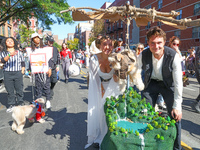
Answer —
137 133
47 12
158 126
123 130
172 124
116 133
132 111
147 130
25 35
151 128
173 121
149 125
140 117
98 28
59 47
158 136
144 117
166 127
156 123
130 88
73 44
149 118
162 138
136 114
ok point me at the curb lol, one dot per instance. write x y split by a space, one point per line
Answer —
185 146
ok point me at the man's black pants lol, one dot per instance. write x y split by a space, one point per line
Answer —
13 81
151 95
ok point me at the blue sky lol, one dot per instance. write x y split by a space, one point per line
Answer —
62 30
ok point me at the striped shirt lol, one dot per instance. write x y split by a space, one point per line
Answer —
14 63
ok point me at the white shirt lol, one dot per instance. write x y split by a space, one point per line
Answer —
176 74
94 49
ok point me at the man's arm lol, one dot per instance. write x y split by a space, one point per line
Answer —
178 88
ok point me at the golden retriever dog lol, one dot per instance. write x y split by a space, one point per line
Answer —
20 113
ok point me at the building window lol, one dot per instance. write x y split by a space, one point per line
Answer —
197 9
108 29
121 23
145 40
113 27
148 6
117 24
117 36
3 30
177 33
9 32
148 25
159 24
196 32
160 2
122 35
179 16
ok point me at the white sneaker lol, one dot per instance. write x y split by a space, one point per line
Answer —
162 105
10 108
48 104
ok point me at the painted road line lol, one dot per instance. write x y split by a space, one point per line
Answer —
83 72
185 146
2 90
189 89
85 76
2 107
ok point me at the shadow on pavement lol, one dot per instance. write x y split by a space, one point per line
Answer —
194 130
67 125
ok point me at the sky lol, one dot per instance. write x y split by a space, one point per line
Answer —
63 29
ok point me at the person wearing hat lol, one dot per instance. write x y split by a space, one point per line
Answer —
119 48
55 68
42 79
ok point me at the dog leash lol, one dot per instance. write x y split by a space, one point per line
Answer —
32 88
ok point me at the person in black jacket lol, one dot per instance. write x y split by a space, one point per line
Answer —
55 68
163 75
196 104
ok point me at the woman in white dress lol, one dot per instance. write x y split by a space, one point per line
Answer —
101 85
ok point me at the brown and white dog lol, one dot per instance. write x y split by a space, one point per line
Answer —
124 64
20 113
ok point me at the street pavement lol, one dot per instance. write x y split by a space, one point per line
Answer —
66 122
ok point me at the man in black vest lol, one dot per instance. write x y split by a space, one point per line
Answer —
162 74
56 61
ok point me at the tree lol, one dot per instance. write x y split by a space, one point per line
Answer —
98 28
59 47
73 44
43 10
25 35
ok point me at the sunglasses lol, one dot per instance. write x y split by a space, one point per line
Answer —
175 44
140 48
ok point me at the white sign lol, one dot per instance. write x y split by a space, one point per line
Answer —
39 59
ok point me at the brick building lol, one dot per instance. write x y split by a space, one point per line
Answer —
188 9
118 29
82 32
